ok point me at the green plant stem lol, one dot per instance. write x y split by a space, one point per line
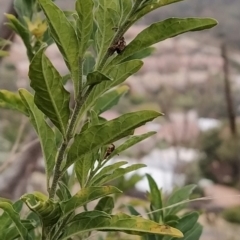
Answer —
119 33
57 171
61 153
69 134
80 100
62 149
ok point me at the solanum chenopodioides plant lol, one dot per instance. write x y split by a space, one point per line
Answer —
91 41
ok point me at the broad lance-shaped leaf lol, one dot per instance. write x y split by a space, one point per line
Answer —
65 37
104 19
63 192
106 171
24 8
97 220
88 63
119 74
10 100
5 220
125 8
84 10
133 211
146 52
85 196
118 173
23 32
151 6
178 196
8 208
195 233
50 95
94 118
82 167
7 229
130 142
186 224
12 232
155 199
45 133
97 136
171 219
110 99
94 78
105 204
160 31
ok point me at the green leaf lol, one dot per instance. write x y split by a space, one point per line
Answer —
85 196
105 204
50 95
105 21
125 8
119 74
155 199
18 206
94 118
10 100
22 31
110 99
82 167
171 220
63 192
8 208
178 196
151 6
131 142
84 10
5 220
186 224
48 210
24 8
119 173
195 233
106 171
13 233
65 37
94 78
45 133
97 136
127 184
88 63
160 31
146 52
95 220
114 5
133 211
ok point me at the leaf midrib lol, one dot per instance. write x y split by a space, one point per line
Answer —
63 129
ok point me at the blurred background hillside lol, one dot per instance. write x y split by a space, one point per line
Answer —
185 78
